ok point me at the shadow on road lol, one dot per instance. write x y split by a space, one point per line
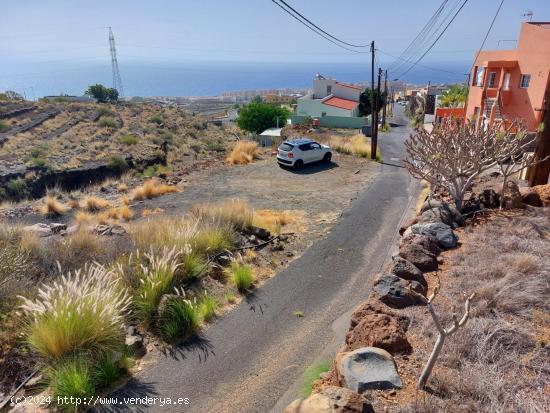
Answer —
311 168
196 344
134 388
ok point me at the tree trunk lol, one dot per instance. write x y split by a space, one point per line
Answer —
431 361
504 182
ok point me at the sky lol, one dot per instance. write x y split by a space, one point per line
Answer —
58 35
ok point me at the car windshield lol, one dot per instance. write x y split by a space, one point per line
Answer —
286 147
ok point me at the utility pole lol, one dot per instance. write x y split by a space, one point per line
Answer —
373 130
541 171
376 109
385 98
117 80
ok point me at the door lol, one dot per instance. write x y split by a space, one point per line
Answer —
316 152
506 83
307 153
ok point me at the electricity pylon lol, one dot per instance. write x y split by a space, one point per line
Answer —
117 81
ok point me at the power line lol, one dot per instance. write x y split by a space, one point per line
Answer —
424 66
487 35
315 30
421 33
320 29
435 41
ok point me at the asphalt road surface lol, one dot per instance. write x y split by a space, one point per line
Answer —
252 358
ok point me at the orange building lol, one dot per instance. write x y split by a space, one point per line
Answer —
512 83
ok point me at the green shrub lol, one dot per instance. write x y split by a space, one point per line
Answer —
180 318
156 279
3 126
103 111
71 378
107 123
117 163
157 119
212 239
208 306
83 311
17 189
193 265
128 139
242 276
106 370
230 297
40 162
155 170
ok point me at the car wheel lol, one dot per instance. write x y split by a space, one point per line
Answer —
298 164
327 157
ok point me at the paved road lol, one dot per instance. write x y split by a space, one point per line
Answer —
251 359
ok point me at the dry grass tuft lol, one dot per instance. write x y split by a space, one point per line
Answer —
94 203
51 207
122 212
235 212
243 153
356 145
122 187
152 188
271 220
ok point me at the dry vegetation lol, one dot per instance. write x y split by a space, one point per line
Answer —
500 361
243 153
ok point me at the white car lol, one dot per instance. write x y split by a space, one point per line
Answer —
298 152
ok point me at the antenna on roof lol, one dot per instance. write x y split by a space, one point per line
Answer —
529 14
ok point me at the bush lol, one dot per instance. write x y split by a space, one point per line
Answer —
94 203
234 212
311 374
243 153
257 117
180 318
17 189
128 139
212 239
103 111
208 306
71 379
242 276
193 266
106 370
16 267
82 311
157 119
117 163
51 207
157 278
152 189
107 123
3 126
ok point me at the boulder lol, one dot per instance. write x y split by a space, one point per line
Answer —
430 204
371 306
445 213
41 230
394 291
488 198
135 343
420 257
408 224
108 230
368 368
511 196
530 197
332 399
428 242
382 331
443 233
406 270
57 228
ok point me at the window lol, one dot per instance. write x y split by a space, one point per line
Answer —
287 147
315 145
329 89
305 147
525 79
492 79
506 85
479 77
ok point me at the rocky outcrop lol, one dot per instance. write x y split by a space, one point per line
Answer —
331 400
420 257
443 233
380 330
428 242
438 211
406 270
531 197
45 230
368 368
395 292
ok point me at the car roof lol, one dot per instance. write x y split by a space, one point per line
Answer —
299 141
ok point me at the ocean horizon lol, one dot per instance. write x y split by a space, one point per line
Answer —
201 78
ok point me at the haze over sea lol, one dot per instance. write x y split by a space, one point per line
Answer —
208 78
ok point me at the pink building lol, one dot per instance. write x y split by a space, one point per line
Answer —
512 83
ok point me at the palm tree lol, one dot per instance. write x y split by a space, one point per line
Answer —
455 97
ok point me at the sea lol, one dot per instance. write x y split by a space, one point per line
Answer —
207 78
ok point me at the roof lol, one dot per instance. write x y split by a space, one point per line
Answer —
350 86
272 132
341 103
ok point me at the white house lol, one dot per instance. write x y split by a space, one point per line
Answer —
330 98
